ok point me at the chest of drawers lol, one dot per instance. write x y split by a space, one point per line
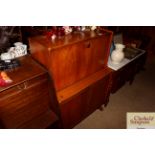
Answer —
25 103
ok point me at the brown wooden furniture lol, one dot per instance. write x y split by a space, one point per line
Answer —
26 103
77 64
128 72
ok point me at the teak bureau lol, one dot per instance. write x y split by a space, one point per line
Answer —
77 64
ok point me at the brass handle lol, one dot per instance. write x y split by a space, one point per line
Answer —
22 86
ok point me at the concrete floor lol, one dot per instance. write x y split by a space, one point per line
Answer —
138 97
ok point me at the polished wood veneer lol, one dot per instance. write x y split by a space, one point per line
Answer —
72 57
77 64
74 89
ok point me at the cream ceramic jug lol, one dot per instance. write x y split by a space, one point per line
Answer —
117 55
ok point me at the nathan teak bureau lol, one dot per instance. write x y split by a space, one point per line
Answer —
77 64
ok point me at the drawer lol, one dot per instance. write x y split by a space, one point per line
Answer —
25 102
14 90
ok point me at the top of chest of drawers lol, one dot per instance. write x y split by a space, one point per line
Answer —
28 70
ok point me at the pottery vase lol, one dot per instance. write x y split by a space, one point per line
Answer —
117 55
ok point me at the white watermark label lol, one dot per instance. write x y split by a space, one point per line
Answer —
141 120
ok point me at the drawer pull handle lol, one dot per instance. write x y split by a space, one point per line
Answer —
22 86
87 45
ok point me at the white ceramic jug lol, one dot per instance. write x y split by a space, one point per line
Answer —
117 55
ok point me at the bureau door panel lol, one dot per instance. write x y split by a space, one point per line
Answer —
27 103
75 62
74 111
64 66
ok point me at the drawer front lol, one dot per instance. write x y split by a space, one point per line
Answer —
75 62
25 102
22 86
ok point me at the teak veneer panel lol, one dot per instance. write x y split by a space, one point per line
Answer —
74 89
87 99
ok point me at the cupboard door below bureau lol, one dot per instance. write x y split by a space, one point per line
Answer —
81 99
26 105
74 110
